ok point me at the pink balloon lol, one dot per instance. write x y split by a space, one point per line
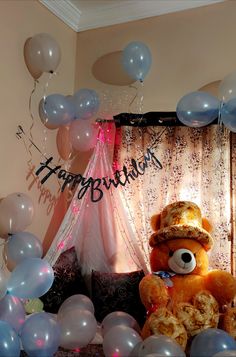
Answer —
78 328
64 145
16 213
83 135
120 341
118 318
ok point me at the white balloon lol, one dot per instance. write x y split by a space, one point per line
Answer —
118 318
77 301
227 87
78 328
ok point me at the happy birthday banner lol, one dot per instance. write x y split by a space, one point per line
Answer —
96 186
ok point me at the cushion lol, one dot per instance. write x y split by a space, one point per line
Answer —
117 292
68 281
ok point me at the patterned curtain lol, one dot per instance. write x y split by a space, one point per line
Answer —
233 203
195 166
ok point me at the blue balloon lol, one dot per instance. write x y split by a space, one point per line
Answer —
58 109
86 103
22 245
197 109
211 341
40 335
9 341
12 311
137 60
30 279
228 114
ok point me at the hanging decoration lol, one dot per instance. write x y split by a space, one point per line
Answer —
99 184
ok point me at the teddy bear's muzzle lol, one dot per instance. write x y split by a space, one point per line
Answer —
182 261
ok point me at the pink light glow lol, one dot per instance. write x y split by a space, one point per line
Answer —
115 166
15 300
60 245
39 343
76 350
75 209
116 354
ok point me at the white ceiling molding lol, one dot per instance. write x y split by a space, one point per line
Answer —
80 15
65 10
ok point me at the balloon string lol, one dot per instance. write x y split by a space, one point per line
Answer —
140 109
19 133
219 113
32 122
45 133
134 98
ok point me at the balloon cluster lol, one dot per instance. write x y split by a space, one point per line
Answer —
56 111
41 333
71 116
121 337
197 109
30 275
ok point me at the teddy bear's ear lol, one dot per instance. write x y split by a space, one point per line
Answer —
206 224
156 222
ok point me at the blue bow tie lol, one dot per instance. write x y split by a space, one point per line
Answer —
165 275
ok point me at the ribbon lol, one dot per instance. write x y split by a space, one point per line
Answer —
166 277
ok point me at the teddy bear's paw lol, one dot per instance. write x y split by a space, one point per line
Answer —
203 313
163 322
229 321
152 292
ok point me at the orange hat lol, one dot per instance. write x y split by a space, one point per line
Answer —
181 219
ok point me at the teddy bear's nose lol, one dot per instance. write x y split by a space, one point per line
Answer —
186 257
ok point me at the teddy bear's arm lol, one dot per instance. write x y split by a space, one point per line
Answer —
222 285
153 291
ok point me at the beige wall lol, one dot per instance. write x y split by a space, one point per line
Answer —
19 20
189 49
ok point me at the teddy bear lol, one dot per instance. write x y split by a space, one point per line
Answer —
181 295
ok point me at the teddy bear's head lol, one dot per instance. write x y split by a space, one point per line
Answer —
180 240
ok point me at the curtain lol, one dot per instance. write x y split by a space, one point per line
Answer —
233 203
95 222
195 167
152 167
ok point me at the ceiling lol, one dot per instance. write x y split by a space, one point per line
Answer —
83 15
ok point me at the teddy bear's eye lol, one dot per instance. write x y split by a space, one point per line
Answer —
171 253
